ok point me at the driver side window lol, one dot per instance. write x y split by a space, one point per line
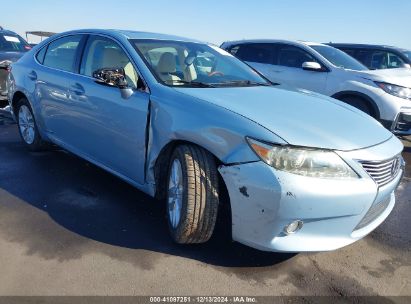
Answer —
292 56
101 52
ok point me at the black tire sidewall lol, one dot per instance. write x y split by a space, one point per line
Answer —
360 104
179 156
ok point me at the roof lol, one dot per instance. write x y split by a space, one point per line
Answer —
363 45
296 42
3 31
133 34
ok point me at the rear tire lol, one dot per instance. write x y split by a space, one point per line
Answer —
27 126
359 103
192 195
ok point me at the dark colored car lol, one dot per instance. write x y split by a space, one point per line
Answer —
377 57
12 47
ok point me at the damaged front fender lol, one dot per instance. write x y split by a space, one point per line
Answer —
175 117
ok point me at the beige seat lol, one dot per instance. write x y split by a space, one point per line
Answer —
167 66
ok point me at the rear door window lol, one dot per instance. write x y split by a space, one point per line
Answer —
61 53
364 56
254 52
350 52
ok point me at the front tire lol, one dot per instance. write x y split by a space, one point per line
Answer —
192 196
359 103
27 126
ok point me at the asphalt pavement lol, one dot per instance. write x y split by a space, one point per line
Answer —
70 228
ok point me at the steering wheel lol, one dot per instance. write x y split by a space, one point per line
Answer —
215 73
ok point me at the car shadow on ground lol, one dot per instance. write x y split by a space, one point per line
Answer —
93 204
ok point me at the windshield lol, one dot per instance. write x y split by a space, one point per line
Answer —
179 63
13 43
339 58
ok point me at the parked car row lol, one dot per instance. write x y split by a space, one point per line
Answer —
384 94
377 57
191 124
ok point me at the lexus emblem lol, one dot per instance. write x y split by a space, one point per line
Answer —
395 167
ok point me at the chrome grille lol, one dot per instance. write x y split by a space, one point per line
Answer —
383 172
375 211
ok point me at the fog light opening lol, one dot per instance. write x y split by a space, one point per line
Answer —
293 227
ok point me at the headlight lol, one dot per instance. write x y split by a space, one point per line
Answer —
395 90
303 161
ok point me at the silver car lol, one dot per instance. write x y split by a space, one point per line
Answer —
187 122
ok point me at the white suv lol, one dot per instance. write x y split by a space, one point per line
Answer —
383 94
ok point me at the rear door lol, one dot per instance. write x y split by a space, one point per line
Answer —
52 78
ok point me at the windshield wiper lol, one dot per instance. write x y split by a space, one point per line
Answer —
196 84
244 82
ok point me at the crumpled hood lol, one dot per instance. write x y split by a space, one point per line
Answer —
12 56
401 76
301 118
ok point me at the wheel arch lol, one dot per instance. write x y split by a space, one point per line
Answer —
16 97
161 171
363 96
163 159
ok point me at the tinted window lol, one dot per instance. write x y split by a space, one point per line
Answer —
379 59
294 57
364 56
350 52
385 60
61 53
102 52
13 43
338 58
408 54
256 52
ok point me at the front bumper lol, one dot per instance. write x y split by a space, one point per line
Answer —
402 124
264 201
397 114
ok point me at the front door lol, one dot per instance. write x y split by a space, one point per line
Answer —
110 128
287 69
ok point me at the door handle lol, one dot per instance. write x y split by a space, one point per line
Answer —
32 75
77 89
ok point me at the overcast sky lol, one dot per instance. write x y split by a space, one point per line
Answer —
361 21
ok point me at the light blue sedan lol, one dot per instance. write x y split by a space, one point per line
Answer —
188 123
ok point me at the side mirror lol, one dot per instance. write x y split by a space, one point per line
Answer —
312 66
5 64
406 65
114 77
